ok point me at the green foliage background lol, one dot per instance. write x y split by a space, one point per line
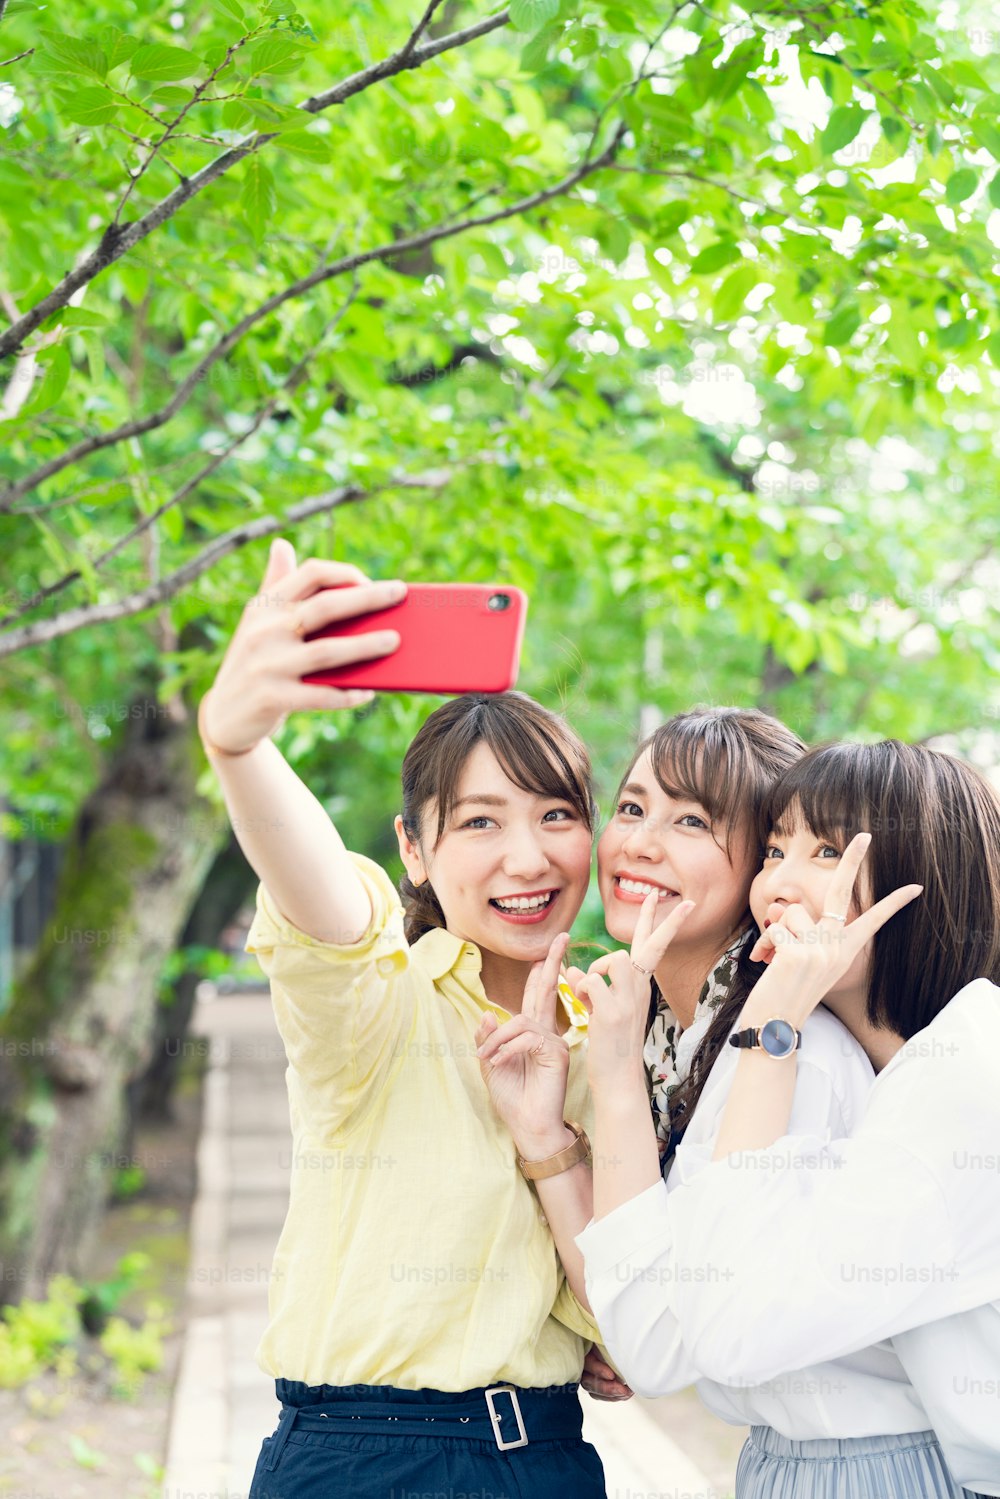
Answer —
726 408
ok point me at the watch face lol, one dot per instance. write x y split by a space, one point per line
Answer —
777 1037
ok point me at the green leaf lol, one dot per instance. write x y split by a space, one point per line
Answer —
670 218
88 106
164 64
53 382
492 256
746 57
714 257
79 317
235 114
85 1455
956 334
614 236
964 75
843 125
271 116
843 325
961 185
232 9
124 47
902 338
530 15
275 55
732 293
258 198
940 85
68 54
309 147
613 69
832 652
172 522
357 375
994 191
993 349
171 94
535 53
95 357
988 135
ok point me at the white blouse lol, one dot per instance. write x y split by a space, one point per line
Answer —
817 1247
633 1284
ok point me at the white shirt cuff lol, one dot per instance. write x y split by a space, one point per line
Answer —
621 1235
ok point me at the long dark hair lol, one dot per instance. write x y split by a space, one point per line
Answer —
727 760
935 821
536 749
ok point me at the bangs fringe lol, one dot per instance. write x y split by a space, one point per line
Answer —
727 760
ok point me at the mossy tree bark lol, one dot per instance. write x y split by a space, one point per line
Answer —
82 1016
230 883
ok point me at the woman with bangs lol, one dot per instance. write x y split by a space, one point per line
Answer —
675 867
421 1334
873 1257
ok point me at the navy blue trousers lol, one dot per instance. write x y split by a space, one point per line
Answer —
379 1442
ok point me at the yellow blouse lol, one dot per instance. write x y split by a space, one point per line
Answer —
414 1253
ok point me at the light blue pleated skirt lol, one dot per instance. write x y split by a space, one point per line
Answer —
898 1467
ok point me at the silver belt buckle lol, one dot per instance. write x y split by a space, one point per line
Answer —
506 1389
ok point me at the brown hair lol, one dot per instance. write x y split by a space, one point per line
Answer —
935 821
727 760
536 749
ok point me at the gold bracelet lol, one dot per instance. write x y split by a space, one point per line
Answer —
552 1165
211 748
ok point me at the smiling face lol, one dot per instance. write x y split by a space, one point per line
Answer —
511 867
798 868
656 841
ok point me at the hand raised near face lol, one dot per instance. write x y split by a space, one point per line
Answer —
525 1062
616 990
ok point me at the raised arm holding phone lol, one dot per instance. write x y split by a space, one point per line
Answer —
306 868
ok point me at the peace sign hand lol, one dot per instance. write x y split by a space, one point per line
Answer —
808 957
525 1062
619 1008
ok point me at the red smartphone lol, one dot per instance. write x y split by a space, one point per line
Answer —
455 637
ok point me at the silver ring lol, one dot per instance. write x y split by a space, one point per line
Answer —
646 972
833 916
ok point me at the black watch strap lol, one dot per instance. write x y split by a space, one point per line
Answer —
748 1038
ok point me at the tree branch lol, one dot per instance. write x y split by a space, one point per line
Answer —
157 146
117 240
13 492
266 525
293 379
421 26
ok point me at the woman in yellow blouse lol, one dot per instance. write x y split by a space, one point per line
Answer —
415 1273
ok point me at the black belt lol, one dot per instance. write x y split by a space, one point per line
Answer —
507 1414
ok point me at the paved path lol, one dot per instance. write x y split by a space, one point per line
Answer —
223 1404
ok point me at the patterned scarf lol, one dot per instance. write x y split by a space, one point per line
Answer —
667 1055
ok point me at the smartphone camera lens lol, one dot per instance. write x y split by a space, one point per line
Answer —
498 601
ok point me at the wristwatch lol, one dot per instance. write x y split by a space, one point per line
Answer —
778 1038
551 1165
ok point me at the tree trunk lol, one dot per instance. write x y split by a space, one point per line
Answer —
82 1016
230 883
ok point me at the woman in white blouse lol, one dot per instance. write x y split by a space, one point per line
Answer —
796 1247
836 1426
